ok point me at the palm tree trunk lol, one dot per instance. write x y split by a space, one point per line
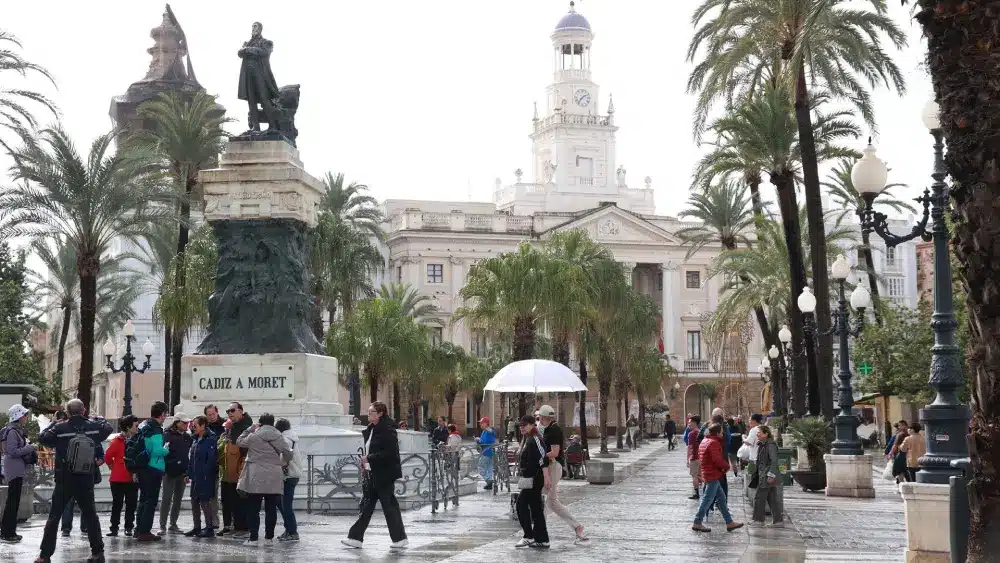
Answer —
524 349
395 401
962 40
583 401
604 374
789 207
560 349
619 423
821 381
451 407
755 201
88 266
180 273
373 390
168 351
317 320
63 335
866 255
642 415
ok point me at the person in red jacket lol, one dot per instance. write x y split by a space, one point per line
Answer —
713 468
123 488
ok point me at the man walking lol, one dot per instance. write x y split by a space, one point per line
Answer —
77 445
381 468
150 474
669 429
693 442
486 440
553 436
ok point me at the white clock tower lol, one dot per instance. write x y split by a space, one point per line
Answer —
573 143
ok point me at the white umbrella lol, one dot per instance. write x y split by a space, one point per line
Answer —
535 376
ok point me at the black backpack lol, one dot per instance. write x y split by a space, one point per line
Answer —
136 456
81 453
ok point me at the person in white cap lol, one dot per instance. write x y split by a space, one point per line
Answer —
175 475
17 454
556 440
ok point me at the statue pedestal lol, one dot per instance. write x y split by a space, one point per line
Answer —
928 535
849 476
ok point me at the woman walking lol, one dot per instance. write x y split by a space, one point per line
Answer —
203 471
262 478
293 472
533 466
124 490
914 447
713 469
381 468
767 480
17 454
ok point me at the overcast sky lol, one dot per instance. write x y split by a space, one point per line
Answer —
427 99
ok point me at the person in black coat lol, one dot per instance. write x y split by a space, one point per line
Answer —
533 469
381 468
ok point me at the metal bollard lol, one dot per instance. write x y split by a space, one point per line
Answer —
959 508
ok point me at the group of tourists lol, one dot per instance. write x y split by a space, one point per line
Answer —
248 464
722 445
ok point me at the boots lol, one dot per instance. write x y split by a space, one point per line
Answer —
696 495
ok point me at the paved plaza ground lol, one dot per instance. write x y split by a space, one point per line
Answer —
644 516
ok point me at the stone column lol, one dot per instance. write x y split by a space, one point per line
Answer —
928 532
670 272
629 267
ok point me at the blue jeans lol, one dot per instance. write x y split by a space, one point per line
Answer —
486 467
288 506
713 493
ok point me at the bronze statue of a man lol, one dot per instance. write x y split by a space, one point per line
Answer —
257 84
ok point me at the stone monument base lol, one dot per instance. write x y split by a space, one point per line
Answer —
849 476
928 534
299 387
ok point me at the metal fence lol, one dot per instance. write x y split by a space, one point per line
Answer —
436 477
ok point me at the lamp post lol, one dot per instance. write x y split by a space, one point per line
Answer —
845 423
128 362
946 419
675 390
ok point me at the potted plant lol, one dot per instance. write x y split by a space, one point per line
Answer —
815 435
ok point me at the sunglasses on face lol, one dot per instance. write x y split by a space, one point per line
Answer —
230 411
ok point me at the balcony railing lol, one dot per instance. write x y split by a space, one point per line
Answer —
702 366
416 220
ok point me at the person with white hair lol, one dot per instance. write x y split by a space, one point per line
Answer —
17 454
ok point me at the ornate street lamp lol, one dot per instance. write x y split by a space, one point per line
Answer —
845 423
128 362
946 419
771 372
675 390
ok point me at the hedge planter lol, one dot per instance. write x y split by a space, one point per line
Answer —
600 472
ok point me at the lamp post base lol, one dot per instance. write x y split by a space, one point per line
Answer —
849 476
945 429
846 432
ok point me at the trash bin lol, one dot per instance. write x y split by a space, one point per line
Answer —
785 465
959 507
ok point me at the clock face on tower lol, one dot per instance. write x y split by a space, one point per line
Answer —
581 97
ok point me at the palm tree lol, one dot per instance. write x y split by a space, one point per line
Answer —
422 311
835 46
352 205
508 293
961 40
637 322
344 262
186 133
841 189
156 255
91 202
15 116
447 360
765 126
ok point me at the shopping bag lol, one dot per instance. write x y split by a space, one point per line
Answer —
887 472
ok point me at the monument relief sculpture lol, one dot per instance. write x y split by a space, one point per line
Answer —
268 104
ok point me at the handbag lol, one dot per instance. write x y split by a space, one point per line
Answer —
744 452
526 483
755 480
887 472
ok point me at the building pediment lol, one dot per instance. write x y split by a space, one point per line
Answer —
611 224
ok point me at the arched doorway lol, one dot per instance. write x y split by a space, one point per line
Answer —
695 402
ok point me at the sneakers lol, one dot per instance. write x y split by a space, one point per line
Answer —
174 529
162 532
579 533
352 543
111 534
525 542
539 545
10 539
96 558
192 533
733 526
66 533
701 528
207 533
241 535
401 544
286 537
224 531
128 532
147 537
251 543
777 524
695 496
268 541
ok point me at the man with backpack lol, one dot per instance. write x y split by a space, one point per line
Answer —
144 456
77 444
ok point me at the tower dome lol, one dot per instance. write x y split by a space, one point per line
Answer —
572 20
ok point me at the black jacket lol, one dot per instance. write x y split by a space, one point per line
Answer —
180 448
383 451
58 435
439 435
217 427
532 458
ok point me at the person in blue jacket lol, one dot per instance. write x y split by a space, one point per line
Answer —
203 471
486 440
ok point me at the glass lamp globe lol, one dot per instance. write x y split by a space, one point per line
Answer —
785 335
931 115
108 348
762 368
129 329
869 173
860 298
773 352
841 268
807 301
677 386
148 348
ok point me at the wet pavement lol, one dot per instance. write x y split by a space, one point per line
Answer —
644 516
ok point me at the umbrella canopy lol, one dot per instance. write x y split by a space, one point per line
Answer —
535 376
